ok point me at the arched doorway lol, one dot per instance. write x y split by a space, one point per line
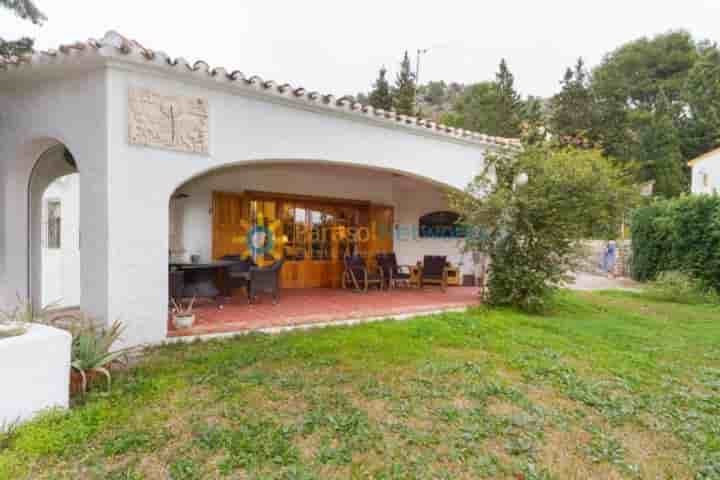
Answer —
54 230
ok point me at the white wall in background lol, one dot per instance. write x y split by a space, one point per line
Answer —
706 174
61 266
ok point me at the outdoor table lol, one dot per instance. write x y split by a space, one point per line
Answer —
209 279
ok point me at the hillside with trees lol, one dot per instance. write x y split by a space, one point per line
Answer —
651 105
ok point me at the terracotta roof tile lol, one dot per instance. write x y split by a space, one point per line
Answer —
113 43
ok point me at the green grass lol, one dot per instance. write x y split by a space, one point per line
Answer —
609 385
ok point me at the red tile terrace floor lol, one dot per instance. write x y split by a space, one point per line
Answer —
321 305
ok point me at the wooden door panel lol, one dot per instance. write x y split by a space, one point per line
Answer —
229 225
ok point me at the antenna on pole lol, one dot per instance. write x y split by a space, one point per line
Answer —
420 51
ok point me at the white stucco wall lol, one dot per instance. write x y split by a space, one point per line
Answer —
61 266
708 166
243 130
66 106
125 189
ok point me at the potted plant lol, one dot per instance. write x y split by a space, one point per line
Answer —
183 317
91 354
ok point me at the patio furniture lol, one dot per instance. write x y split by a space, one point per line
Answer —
392 273
434 271
238 274
203 280
176 284
358 275
265 279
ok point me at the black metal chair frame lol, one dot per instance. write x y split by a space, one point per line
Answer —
434 271
393 273
238 275
267 280
358 275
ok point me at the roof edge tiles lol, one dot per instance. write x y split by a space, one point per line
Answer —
115 45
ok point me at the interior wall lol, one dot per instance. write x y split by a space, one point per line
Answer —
191 217
61 266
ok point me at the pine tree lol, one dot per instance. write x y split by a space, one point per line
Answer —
26 10
573 108
405 91
508 104
658 149
380 96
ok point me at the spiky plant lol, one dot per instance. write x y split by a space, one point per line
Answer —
91 350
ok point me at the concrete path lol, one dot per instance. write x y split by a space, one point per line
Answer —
586 281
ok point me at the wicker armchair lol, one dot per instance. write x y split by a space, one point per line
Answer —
238 274
392 273
357 274
267 280
434 271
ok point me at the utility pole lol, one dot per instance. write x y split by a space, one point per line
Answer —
420 51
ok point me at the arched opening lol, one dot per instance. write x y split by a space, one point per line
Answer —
311 204
54 230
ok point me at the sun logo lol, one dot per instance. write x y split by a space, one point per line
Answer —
261 240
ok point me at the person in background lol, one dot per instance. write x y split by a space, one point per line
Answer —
609 257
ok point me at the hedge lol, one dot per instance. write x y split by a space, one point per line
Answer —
678 234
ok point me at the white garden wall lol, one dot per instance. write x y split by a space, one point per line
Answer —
35 373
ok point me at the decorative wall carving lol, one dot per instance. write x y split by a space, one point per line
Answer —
167 121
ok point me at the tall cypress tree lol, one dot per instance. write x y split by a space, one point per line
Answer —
405 91
380 96
573 108
508 104
26 10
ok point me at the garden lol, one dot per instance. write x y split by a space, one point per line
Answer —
605 385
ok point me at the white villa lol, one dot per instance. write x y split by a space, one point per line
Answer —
116 159
706 172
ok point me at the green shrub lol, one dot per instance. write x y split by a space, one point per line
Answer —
675 286
680 234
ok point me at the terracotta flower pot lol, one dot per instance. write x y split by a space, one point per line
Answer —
183 321
92 377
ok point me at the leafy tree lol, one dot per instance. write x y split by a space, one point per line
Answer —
494 108
573 108
638 71
26 10
405 90
380 96
658 150
533 120
527 210
643 113
434 93
701 128
507 103
475 110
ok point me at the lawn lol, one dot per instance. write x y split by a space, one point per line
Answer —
609 385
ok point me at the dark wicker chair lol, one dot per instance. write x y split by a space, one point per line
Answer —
357 274
265 279
238 275
392 273
434 271
176 285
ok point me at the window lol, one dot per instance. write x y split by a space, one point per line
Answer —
441 225
54 223
705 179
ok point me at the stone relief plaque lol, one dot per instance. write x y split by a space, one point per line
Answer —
167 121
